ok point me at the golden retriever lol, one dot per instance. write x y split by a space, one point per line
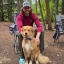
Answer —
30 47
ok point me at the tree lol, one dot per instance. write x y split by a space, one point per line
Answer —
36 6
41 14
62 7
18 7
1 11
21 2
57 2
10 9
48 15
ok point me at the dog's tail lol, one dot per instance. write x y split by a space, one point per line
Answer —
43 59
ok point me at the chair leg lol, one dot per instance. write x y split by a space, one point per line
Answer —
54 40
16 44
58 40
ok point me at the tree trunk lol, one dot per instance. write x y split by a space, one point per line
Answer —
48 15
18 6
36 6
1 11
10 10
62 7
57 2
41 14
21 2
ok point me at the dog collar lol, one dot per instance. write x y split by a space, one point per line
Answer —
29 38
26 40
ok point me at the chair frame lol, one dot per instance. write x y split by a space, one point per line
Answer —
59 26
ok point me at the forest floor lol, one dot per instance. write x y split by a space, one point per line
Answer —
55 51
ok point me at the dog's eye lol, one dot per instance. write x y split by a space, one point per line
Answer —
32 31
24 29
29 30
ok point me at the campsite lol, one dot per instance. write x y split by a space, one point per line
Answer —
55 51
46 13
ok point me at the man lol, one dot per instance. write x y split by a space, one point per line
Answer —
28 18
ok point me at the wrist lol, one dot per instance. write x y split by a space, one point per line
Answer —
38 35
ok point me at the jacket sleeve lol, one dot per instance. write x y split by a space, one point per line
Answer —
37 22
19 22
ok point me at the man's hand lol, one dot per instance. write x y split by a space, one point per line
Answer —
37 41
37 38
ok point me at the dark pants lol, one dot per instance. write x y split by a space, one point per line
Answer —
41 43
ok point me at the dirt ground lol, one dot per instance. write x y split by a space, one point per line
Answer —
55 51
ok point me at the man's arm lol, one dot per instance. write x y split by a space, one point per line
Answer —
39 28
37 22
19 22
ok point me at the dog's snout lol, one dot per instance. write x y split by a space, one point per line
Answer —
25 33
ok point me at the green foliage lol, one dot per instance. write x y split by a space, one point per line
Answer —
33 5
52 10
6 8
39 17
38 9
43 8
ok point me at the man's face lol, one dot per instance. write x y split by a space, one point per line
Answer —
27 10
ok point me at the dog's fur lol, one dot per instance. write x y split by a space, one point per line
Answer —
30 47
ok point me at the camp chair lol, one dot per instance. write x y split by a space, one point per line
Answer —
13 30
59 27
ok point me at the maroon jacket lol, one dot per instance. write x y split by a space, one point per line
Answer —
23 21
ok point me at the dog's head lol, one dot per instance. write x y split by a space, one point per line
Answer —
27 31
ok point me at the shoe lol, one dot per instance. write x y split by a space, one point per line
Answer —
22 61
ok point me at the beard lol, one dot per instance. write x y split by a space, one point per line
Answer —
27 13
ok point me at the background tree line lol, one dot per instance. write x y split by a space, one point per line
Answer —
45 9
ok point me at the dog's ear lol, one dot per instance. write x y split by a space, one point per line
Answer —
22 30
32 28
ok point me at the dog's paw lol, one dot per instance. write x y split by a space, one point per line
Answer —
30 62
37 62
26 63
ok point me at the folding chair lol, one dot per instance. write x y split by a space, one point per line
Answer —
59 27
13 30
